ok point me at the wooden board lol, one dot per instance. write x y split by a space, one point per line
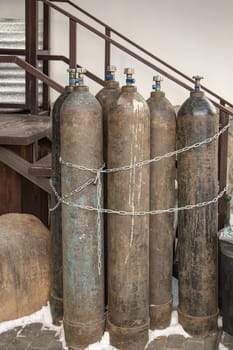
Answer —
23 129
21 166
43 167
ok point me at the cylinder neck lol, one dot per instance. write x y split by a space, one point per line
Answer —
69 88
197 94
111 84
81 88
157 93
129 88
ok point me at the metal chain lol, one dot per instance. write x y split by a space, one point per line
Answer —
148 161
99 220
140 213
76 190
96 180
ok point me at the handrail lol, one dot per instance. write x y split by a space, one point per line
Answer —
42 56
33 71
133 54
66 60
145 51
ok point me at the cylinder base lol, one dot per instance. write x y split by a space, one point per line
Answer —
78 337
198 325
56 307
124 338
160 315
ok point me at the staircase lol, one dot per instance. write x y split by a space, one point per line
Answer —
12 77
36 98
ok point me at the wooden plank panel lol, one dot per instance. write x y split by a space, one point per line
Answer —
10 190
21 166
35 200
43 167
23 129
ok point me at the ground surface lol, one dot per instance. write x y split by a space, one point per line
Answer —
35 336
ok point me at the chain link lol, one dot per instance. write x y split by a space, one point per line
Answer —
148 161
98 182
76 190
99 220
137 213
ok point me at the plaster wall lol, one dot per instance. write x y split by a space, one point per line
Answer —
193 36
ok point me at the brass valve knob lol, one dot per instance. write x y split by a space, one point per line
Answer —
197 79
129 76
157 85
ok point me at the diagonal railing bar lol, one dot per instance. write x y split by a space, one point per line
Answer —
33 71
109 28
66 60
130 52
42 56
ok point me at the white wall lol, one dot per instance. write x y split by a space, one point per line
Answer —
12 9
194 36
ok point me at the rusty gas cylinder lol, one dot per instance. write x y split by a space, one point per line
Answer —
162 196
25 265
197 227
83 277
106 97
128 235
56 294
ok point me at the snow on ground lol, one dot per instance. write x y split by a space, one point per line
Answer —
44 316
174 328
222 347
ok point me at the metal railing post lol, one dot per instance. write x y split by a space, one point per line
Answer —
31 17
107 50
222 167
46 46
73 43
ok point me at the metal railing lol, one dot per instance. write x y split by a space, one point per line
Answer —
33 71
32 56
221 104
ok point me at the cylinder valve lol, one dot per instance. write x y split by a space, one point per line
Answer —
197 79
80 76
72 76
129 76
110 73
157 79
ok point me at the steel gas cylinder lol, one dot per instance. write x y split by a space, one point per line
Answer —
128 235
82 230
162 195
106 97
197 227
56 294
